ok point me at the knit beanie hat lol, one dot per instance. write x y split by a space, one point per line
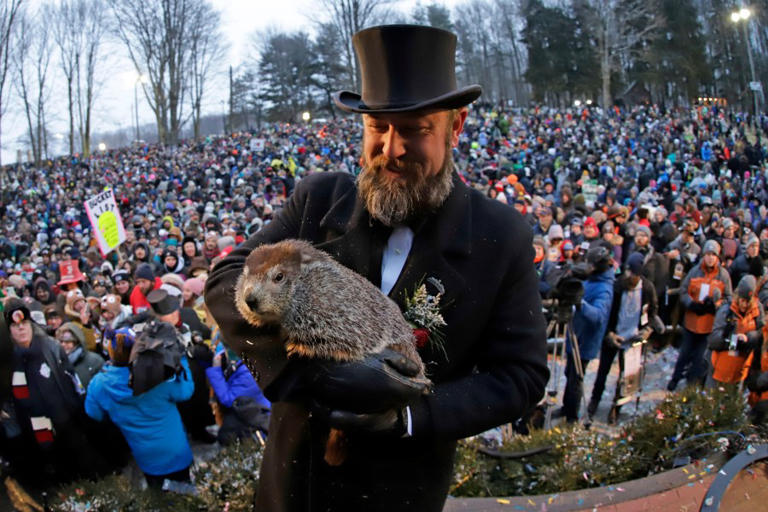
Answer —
746 287
711 246
635 263
643 229
195 286
144 271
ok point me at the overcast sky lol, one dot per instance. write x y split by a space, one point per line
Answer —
115 104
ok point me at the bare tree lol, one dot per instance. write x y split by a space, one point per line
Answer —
206 50
620 29
32 60
80 53
9 14
348 17
157 35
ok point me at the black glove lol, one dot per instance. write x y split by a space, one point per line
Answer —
709 306
375 384
697 308
390 422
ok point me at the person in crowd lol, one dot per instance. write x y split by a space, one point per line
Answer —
145 283
149 421
78 312
122 286
748 262
703 290
86 363
590 322
245 410
633 309
44 434
736 334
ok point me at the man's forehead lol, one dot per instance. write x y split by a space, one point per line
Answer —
408 117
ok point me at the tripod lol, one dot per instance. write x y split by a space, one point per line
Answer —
561 328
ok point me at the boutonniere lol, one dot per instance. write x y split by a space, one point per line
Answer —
422 312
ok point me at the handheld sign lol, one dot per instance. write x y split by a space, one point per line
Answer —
106 221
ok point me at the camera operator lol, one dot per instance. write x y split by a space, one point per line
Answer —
634 306
589 324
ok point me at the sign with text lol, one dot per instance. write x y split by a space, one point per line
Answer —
106 221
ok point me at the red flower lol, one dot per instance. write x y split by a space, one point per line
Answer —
422 336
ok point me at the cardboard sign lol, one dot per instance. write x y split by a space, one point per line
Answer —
106 221
257 145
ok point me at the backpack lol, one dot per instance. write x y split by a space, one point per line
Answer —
155 356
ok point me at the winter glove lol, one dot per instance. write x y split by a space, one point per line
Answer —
697 308
754 340
709 306
390 422
377 383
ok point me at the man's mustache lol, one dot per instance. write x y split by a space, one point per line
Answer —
381 162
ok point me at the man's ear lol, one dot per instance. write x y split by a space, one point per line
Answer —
458 125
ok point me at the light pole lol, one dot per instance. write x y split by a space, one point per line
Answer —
140 79
744 14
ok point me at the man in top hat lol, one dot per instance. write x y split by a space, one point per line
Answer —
407 219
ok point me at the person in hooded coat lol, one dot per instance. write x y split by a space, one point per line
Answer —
149 421
42 292
86 363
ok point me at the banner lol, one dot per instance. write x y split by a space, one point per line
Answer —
106 221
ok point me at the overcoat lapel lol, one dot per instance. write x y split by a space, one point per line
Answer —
438 245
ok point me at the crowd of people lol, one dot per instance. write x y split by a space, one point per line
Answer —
664 211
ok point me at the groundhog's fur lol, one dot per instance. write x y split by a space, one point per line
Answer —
324 309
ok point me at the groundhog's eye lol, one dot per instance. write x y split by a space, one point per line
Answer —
279 277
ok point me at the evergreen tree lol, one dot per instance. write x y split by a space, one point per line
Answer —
676 67
561 64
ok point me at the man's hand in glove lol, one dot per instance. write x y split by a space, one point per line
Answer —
697 308
709 306
379 382
388 423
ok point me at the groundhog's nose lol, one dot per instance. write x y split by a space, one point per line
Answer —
252 302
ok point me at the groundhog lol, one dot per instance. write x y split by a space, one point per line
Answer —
324 310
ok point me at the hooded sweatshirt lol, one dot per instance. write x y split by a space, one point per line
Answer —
150 422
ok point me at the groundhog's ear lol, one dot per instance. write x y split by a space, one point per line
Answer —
307 258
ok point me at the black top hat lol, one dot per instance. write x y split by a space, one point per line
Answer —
406 68
162 302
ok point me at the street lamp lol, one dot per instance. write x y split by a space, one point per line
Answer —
744 14
102 147
306 117
140 79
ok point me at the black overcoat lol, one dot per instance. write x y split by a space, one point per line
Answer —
491 370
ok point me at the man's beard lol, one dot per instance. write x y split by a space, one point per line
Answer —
395 201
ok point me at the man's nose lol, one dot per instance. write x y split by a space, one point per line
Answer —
394 144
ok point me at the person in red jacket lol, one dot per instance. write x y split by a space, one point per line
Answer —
145 283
